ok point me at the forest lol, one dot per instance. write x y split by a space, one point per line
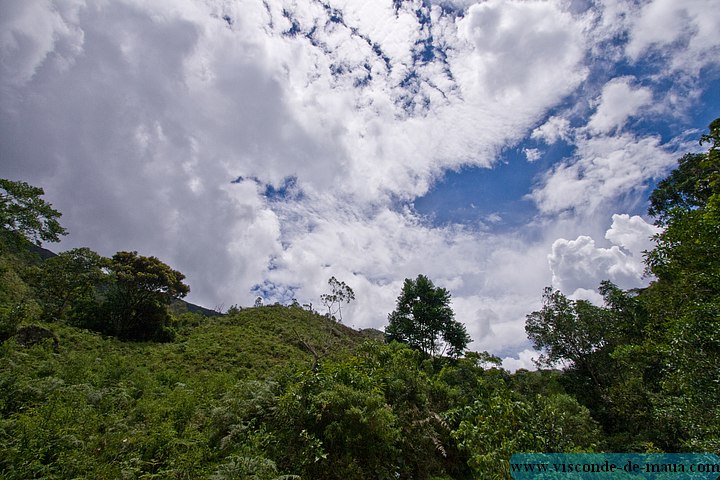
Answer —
106 373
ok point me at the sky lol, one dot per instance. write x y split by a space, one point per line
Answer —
261 147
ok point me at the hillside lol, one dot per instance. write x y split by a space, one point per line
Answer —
255 340
103 408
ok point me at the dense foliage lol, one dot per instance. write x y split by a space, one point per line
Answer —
100 378
647 363
424 320
23 212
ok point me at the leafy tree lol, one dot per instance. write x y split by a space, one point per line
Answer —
568 331
491 429
16 300
340 293
499 423
583 338
684 302
563 425
418 398
424 320
24 218
23 212
646 364
68 279
135 300
691 184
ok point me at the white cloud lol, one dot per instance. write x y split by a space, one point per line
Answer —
554 129
31 35
578 266
587 294
603 169
532 154
510 59
632 233
580 263
525 360
686 32
619 101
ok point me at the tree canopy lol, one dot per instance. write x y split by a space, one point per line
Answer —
646 363
23 212
69 279
424 320
691 185
136 298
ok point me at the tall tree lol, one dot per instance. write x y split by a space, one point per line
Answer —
424 320
24 213
691 185
137 297
568 331
340 293
648 363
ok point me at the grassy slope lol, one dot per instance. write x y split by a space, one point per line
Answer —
103 408
255 341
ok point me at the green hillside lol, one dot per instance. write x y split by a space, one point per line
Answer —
104 408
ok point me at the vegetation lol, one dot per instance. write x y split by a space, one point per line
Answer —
424 320
647 363
24 213
101 376
339 293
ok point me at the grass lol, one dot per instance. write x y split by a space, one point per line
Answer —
103 408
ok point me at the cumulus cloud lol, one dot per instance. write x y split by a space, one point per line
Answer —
686 32
523 360
580 263
589 295
603 169
578 266
510 60
632 233
554 129
619 101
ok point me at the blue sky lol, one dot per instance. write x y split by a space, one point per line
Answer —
496 146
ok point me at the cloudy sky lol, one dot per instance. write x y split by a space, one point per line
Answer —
262 146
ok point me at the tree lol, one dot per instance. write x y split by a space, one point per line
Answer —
684 300
582 338
337 424
340 293
567 331
68 279
691 184
424 320
24 218
646 364
137 297
23 212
